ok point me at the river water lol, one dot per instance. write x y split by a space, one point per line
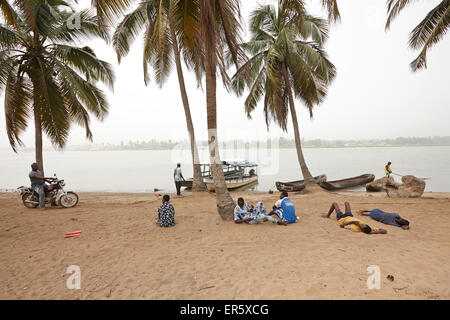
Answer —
142 171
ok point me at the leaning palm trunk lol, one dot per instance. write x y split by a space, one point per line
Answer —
309 180
225 203
198 184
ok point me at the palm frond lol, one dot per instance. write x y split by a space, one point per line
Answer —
85 61
27 9
17 107
76 110
50 106
394 7
333 11
109 10
128 29
77 27
89 95
9 38
429 32
8 12
316 28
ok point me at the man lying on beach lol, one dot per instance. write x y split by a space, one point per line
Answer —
244 213
166 213
393 219
284 209
347 221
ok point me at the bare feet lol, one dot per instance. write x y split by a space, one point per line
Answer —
325 216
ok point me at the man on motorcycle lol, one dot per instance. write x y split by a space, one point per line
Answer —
38 184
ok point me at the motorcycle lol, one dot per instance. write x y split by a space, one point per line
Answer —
54 194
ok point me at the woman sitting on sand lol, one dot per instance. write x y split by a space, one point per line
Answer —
347 221
166 213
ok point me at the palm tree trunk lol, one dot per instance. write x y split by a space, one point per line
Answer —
298 144
37 115
198 185
225 203
38 140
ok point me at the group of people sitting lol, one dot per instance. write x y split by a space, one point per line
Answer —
283 209
283 213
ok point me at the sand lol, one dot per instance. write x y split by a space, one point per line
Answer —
123 255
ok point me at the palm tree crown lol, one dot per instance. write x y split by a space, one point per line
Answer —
286 60
43 70
278 42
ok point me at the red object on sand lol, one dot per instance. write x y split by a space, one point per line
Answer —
72 234
157 194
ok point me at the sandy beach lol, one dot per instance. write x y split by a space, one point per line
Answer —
123 255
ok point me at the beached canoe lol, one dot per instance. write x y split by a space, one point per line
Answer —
347 183
298 185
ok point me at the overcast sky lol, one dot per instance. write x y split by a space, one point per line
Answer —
375 95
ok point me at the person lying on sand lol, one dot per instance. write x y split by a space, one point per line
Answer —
166 213
284 208
393 219
347 221
244 213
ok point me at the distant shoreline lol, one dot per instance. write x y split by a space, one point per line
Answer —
98 148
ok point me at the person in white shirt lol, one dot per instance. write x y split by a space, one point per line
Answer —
178 176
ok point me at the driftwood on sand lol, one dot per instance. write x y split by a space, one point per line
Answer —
412 187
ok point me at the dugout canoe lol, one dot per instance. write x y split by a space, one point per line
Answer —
347 183
298 185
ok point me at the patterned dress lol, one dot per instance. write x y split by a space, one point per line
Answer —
166 215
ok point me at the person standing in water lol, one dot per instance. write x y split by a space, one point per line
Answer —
387 169
177 176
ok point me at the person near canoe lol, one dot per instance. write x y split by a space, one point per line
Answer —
166 213
347 221
284 208
387 169
178 176
392 219
244 213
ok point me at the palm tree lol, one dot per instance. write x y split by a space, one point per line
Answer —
427 33
45 74
203 28
287 60
160 49
206 27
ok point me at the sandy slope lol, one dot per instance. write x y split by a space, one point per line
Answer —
123 255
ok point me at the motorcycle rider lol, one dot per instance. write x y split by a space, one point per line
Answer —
38 184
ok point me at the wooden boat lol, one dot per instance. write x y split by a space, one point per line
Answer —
227 171
236 175
347 183
298 185
233 182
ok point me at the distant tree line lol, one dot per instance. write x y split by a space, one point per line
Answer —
283 143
